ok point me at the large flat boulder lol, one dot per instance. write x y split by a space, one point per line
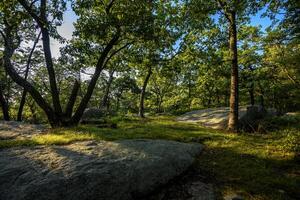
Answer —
215 118
127 169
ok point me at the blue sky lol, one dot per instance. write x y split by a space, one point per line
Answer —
67 27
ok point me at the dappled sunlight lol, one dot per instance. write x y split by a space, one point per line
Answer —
65 138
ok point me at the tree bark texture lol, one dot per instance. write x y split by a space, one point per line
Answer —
4 106
234 93
143 92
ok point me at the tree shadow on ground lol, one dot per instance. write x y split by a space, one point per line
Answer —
252 176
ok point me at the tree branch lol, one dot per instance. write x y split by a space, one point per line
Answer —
223 5
116 51
2 34
31 12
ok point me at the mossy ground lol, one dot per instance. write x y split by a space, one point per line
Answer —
257 166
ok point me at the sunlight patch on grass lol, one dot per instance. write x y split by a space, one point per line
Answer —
65 138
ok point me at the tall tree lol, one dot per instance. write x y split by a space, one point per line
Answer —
230 12
235 12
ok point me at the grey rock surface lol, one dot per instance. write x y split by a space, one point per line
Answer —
217 118
92 113
20 130
127 169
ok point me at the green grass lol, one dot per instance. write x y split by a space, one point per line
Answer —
258 166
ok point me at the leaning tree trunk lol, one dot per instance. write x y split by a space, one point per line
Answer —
24 93
102 61
234 93
51 74
21 106
9 48
143 92
72 99
4 106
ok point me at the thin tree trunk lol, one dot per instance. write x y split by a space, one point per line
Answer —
21 106
72 99
24 93
7 54
251 88
251 95
4 106
48 58
234 94
43 23
33 112
51 73
99 67
143 92
159 106
262 101
261 96
105 100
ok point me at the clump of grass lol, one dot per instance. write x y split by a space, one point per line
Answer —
61 137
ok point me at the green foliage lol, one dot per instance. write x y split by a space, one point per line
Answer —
291 140
183 43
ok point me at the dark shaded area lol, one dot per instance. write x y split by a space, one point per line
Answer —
255 176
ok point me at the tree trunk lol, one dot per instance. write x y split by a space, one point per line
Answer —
51 73
7 54
24 93
234 93
262 101
143 92
33 112
4 106
105 100
41 19
21 106
72 99
99 67
55 114
251 95
159 105
261 96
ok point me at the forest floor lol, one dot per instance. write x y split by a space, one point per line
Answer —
254 166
